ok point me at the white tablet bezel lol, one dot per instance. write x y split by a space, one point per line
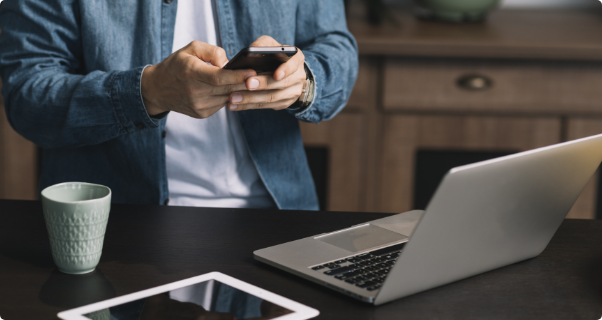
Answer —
300 312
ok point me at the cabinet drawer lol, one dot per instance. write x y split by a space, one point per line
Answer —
530 87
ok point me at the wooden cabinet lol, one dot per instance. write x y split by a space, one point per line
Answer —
376 171
586 205
404 135
18 162
344 137
516 82
351 138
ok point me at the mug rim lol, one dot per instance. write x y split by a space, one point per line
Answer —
75 182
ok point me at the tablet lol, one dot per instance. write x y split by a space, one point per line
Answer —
209 296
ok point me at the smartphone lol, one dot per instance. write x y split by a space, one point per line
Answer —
261 59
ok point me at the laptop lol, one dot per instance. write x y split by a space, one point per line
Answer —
483 216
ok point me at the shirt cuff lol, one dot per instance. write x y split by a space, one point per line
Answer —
157 116
127 101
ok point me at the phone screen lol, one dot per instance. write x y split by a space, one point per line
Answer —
261 59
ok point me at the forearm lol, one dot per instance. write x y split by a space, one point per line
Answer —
334 81
332 56
56 109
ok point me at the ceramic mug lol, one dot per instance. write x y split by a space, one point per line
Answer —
76 215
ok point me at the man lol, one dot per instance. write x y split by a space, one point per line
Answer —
93 83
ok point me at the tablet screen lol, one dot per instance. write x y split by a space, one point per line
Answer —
204 300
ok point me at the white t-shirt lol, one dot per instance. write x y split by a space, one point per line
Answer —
208 164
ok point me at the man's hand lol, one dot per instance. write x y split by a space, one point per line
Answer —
185 83
277 91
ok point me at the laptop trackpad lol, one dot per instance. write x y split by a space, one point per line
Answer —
361 238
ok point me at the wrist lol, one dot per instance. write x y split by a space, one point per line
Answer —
148 91
307 95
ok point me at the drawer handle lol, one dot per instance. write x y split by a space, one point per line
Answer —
474 82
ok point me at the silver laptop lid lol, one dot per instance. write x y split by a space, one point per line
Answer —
491 214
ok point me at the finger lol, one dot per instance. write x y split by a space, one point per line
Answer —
206 113
266 96
265 82
203 107
291 66
227 89
265 41
200 113
201 103
220 77
200 53
207 52
253 106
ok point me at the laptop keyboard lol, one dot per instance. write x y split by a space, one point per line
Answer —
367 270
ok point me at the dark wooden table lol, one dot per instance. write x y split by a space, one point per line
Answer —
146 246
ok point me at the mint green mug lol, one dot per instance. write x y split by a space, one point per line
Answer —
76 215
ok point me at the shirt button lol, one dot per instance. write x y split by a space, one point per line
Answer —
139 125
163 134
168 1
166 202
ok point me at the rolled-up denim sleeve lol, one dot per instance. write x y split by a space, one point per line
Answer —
330 53
49 98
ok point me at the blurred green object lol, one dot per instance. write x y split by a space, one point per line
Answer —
456 10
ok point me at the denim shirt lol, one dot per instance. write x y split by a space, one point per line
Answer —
71 82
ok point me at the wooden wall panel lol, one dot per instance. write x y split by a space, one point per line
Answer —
18 162
364 94
344 137
353 138
585 207
404 134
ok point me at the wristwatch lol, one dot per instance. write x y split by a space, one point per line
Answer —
309 90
